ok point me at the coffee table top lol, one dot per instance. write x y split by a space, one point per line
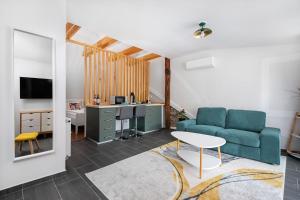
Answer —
198 139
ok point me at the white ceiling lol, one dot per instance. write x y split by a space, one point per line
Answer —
166 26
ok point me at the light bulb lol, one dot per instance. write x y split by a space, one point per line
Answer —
202 34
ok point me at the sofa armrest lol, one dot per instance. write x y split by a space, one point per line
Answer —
182 125
270 145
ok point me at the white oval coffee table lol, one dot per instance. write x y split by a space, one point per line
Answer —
202 161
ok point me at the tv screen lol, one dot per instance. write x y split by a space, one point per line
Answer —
35 88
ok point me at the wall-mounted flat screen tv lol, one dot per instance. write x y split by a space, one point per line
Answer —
35 88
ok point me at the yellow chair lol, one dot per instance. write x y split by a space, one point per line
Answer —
28 137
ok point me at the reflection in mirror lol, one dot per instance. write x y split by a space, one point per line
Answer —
33 93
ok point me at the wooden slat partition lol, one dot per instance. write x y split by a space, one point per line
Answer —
112 74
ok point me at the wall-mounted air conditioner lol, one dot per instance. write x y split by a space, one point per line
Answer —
202 63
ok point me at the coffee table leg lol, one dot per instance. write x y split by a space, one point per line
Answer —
219 154
178 144
200 166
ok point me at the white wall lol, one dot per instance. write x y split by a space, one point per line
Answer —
48 18
244 78
75 71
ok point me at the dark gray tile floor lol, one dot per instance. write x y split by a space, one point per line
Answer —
86 157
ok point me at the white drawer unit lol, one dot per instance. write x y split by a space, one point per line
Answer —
38 121
30 128
31 116
46 127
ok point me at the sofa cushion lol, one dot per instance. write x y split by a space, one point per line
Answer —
204 129
246 120
211 116
241 137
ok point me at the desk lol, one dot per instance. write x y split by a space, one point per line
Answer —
101 121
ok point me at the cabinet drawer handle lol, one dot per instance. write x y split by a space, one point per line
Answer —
30 119
30 126
106 111
107 128
48 118
48 124
108 120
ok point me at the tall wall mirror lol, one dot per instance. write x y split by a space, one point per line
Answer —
33 93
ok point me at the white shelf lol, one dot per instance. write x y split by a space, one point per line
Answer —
193 158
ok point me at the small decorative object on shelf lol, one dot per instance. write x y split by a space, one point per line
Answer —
181 115
96 100
294 140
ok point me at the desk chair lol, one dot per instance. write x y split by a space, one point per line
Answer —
126 112
139 111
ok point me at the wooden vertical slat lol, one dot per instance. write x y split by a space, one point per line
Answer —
111 71
132 75
129 75
125 76
99 74
116 75
143 81
122 76
147 80
145 71
136 77
95 72
107 78
85 78
103 77
90 80
139 79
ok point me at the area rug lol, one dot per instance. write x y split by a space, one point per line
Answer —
160 174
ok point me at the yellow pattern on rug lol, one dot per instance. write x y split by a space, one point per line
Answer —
273 178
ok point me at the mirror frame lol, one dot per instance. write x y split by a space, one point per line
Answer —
53 51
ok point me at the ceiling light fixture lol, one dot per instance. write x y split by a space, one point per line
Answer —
202 32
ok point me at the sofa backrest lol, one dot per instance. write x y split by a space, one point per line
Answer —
211 116
246 120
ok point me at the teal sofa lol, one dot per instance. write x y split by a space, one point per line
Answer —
244 131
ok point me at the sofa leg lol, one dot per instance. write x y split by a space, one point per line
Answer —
219 154
76 130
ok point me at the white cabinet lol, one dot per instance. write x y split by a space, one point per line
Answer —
36 121
30 122
46 122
